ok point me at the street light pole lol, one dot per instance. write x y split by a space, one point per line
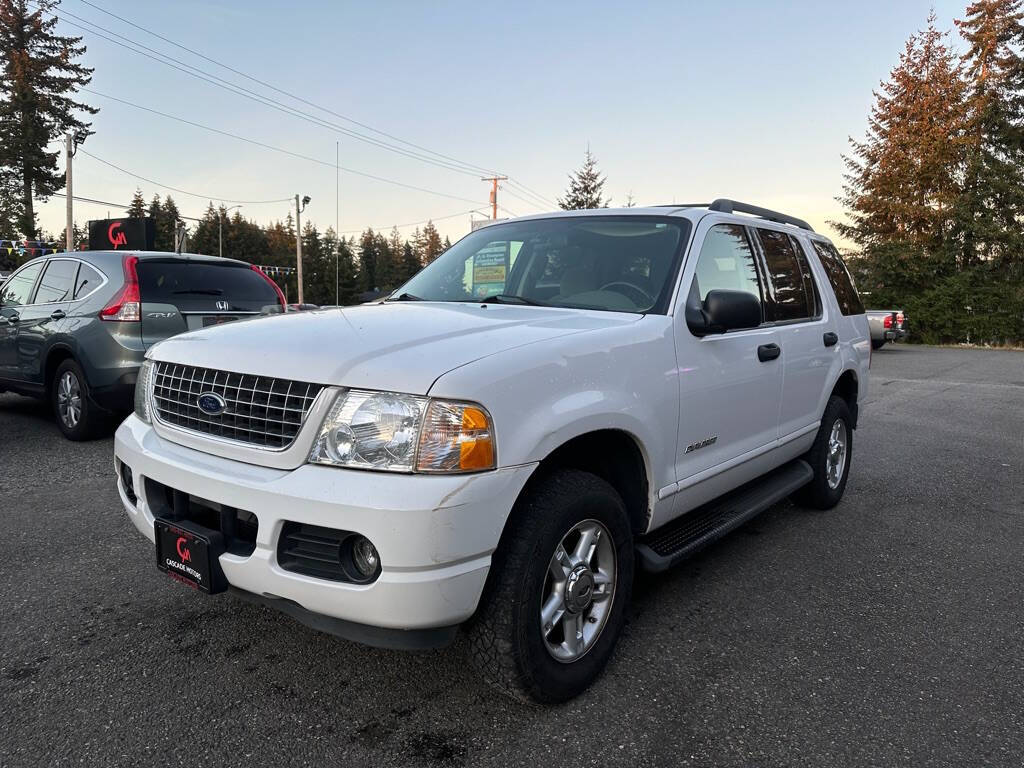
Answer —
298 240
220 228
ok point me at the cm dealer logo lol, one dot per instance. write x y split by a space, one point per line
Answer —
182 547
115 237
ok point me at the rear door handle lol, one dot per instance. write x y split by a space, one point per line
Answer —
830 339
13 318
58 314
767 352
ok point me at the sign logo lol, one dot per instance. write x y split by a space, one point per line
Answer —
116 239
211 404
183 553
223 305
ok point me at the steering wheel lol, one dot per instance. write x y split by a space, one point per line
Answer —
646 299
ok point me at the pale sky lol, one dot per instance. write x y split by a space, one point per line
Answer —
678 101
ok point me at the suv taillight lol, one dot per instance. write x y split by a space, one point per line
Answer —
265 276
126 305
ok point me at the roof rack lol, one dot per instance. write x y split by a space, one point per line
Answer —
722 205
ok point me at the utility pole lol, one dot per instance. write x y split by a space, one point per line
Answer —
494 192
220 228
69 236
298 239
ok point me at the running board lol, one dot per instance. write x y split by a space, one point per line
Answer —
691 532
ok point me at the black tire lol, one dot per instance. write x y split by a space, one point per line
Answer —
876 344
505 637
819 493
92 420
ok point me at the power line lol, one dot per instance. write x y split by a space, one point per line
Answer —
475 168
276 149
181 191
412 223
529 191
246 93
78 199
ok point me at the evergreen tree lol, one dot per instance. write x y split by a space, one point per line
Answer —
368 260
429 243
990 211
586 187
10 205
167 217
41 77
348 276
410 262
902 180
137 209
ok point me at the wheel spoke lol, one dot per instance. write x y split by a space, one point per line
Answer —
573 626
559 565
551 613
586 545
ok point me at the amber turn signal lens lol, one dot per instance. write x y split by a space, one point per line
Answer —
456 437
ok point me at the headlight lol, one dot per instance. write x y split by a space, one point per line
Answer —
404 433
142 387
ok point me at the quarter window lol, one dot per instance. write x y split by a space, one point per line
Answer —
726 262
840 279
58 282
18 288
786 283
88 281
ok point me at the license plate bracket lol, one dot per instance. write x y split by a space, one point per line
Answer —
190 554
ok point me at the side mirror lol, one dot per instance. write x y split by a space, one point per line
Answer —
721 311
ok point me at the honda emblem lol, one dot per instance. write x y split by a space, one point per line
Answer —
223 305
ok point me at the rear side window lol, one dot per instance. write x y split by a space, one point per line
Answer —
198 286
726 262
88 281
18 289
58 283
839 278
790 284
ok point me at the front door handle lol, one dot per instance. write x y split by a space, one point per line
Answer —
58 314
767 352
830 339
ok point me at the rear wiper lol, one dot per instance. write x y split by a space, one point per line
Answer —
204 291
406 297
509 298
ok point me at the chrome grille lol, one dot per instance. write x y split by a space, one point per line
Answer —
262 411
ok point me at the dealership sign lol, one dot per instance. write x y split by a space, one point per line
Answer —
121 234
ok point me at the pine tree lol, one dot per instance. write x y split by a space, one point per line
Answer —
10 205
429 244
586 187
368 260
902 180
137 209
167 217
37 100
410 262
990 211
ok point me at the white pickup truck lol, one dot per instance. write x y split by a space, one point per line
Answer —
553 402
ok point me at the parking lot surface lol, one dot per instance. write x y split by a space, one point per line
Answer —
888 631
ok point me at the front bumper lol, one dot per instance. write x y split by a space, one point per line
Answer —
435 534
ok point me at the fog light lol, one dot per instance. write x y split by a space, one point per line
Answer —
128 483
365 557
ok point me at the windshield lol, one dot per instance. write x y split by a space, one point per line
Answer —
614 263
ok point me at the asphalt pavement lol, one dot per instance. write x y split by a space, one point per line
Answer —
888 631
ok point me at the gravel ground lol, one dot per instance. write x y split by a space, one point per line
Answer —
885 632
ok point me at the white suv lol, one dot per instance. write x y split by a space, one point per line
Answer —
553 402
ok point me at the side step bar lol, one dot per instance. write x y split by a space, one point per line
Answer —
691 532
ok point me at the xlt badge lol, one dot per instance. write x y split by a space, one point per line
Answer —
701 444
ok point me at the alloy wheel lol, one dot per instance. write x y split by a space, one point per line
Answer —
835 460
578 591
69 399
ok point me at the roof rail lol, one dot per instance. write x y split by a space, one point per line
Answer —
723 205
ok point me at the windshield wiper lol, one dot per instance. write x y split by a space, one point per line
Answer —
203 291
406 297
510 298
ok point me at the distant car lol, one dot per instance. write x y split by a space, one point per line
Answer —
886 325
75 328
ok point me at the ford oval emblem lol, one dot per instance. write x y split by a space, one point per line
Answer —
212 404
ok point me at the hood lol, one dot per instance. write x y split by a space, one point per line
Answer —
402 347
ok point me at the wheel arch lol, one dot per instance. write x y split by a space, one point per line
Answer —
614 455
57 354
847 387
